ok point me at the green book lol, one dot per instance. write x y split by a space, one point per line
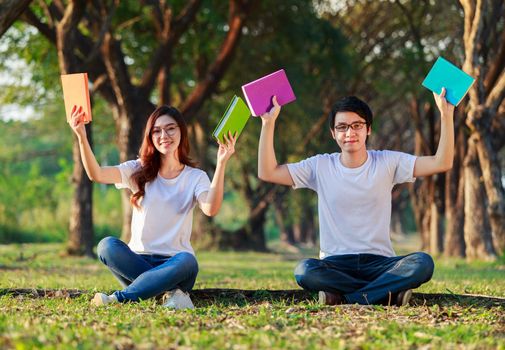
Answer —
234 119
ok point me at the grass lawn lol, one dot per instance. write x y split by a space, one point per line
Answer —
63 322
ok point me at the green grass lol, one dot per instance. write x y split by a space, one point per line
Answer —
63 322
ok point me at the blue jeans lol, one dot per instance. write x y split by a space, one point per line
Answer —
146 275
365 278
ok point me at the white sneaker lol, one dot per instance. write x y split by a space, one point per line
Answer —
178 300
101 299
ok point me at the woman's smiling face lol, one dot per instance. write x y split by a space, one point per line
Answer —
166 135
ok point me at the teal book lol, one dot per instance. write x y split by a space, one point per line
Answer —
445 74
234 119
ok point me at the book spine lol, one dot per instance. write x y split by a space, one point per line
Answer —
248 102
86 89
266 77
224 118
462 97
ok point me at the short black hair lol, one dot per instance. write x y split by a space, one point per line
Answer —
351 104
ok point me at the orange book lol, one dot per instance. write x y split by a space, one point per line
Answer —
76 93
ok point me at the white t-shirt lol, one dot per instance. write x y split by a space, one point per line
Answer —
162 225
354 204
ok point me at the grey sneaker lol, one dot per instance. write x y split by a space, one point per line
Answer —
178 300
403 297
101 299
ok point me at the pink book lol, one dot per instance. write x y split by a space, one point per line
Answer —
258 93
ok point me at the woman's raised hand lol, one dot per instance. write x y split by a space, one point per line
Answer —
226 149
77 121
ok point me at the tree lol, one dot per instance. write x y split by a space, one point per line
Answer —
394 43
80 240
484 44
276 37
127 65
10 10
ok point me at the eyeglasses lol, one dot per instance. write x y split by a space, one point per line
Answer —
354 126
170 130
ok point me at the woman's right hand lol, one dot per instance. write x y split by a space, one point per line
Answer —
77 121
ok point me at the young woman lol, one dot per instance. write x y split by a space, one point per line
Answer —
166 186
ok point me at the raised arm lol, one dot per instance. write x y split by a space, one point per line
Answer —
210 202
443 158
268 169
105 175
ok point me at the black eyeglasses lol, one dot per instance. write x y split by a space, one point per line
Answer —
354 126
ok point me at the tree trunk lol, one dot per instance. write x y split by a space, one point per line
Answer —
81 235
285 232
311 227
454 243
398 204
477 230
127 208
420 193
484 44
80 240
81 232
396 224
434 230
297 231
437 216
203 228
130 123
10 10
492 179
249 237
204 231
305 228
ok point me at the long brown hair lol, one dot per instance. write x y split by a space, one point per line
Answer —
150 157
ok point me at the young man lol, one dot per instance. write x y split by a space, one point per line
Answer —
357 263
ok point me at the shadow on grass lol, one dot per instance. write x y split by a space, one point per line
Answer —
447 299
241 297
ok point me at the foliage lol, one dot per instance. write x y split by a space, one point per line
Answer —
378 50
35 178
273 36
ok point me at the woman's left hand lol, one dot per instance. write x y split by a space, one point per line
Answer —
226 149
